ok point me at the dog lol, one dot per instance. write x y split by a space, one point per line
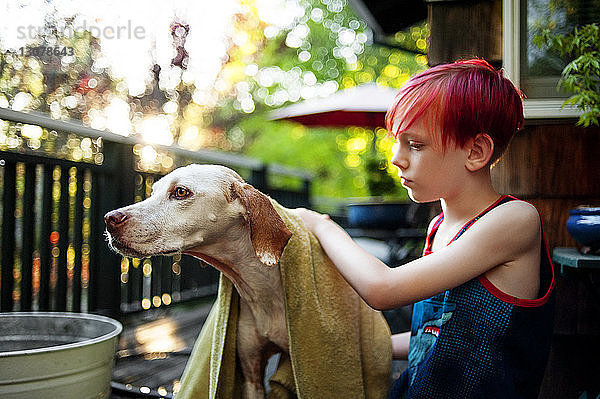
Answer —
209 212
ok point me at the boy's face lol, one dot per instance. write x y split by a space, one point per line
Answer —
428 172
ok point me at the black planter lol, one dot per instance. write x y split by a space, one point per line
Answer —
380 215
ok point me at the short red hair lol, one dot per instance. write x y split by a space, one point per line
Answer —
462 99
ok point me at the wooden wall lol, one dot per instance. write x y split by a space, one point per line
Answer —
464 29
556 167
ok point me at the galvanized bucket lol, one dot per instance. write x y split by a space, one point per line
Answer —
56 355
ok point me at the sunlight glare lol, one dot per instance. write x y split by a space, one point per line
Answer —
130 53
159 336
156 130
31 132
117 116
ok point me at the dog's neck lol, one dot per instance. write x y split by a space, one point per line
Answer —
235 257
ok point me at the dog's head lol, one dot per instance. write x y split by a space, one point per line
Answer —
194 206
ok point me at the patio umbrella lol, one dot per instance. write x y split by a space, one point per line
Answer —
364 105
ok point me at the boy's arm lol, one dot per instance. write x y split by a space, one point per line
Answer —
500 237
400 345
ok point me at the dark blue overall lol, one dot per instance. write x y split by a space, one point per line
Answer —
475 341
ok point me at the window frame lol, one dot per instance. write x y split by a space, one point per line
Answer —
536 108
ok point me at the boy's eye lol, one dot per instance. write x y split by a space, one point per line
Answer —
415 146
180 193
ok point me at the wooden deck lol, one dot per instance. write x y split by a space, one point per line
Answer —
154 348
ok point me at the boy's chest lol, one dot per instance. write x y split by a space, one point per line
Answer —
442 237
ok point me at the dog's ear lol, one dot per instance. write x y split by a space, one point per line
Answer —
268 232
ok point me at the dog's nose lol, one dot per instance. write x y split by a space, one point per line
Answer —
115 218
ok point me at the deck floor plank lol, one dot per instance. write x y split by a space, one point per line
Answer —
154 347
175 329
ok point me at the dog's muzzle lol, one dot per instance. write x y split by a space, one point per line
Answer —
115 220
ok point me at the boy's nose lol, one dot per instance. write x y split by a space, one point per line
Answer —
398 160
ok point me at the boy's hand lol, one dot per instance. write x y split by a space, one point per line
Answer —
311 219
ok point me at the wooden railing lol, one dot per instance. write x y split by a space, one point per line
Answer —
58 179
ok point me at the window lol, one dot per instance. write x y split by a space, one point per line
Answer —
537 71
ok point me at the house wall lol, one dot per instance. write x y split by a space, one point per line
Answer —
556 166
450 40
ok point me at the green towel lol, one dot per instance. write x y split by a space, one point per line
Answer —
339 346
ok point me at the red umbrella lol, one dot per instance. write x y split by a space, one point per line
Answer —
364 105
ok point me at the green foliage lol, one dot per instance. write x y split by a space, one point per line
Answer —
315 150
324 153
581 76
326 47
379 182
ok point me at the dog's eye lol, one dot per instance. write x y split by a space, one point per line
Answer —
180 193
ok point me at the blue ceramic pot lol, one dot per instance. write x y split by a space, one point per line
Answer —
584 226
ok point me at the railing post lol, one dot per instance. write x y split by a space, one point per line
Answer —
78 241
114 189
45 231
63 242
258 178
305 193
28 238
8 236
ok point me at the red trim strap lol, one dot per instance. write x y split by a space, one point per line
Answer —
436 224
440 218
529 303
476 218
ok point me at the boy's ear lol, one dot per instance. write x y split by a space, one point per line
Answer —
480 152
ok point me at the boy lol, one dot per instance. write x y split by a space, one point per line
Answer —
482 321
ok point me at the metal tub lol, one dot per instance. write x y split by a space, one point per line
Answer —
56 355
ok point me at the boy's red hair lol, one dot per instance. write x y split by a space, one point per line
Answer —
462 99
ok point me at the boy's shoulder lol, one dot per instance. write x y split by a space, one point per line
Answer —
517 212
515 223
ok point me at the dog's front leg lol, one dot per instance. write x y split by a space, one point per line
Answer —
250 348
